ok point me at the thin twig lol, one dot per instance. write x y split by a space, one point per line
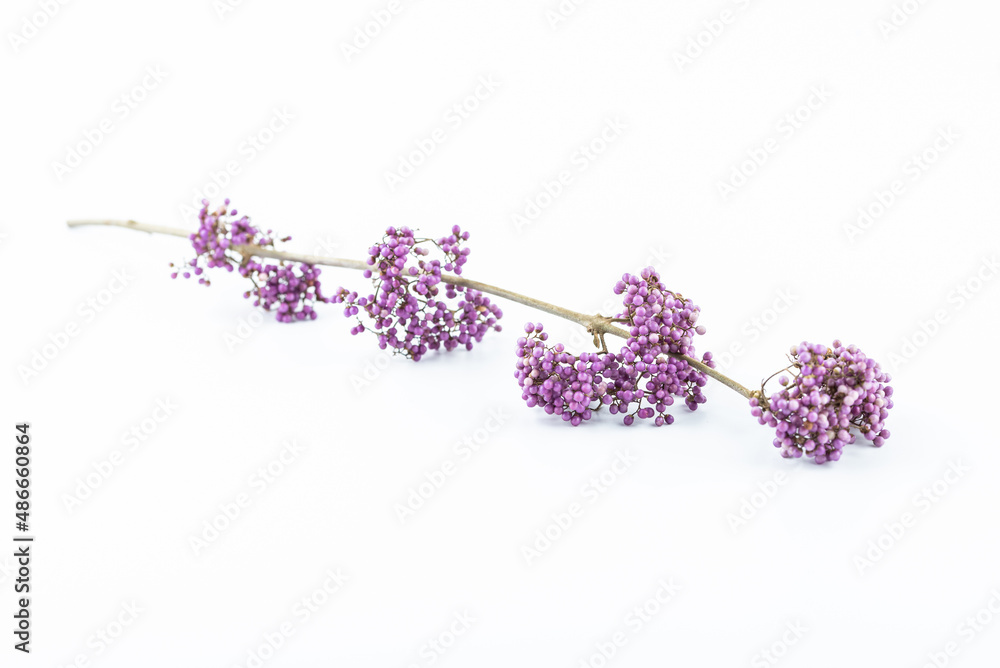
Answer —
596 324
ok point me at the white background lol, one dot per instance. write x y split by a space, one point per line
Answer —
806 554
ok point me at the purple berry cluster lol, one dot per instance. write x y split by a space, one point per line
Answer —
290 289
640 381
407 308
418 306
832 391
571 386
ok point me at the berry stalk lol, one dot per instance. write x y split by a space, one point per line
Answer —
597 325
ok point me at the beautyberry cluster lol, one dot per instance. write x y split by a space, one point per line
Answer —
661 322
407 308
832 391
290 289
571 386
640 381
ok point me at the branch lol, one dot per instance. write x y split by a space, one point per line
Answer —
596 324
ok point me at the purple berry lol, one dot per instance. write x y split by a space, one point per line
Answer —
290 289
831 391
640 381
407 309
